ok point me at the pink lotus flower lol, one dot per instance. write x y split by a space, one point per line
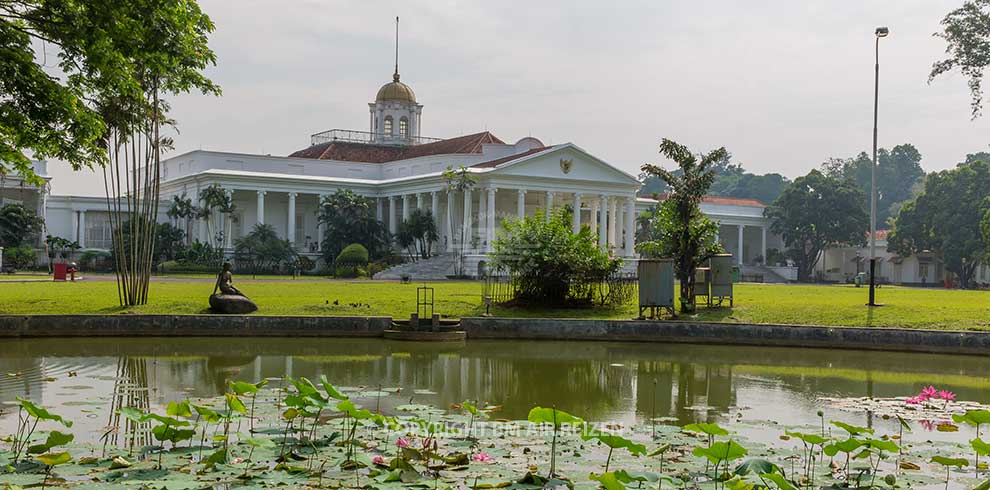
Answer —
402 442
237 461
927 425
929 392
482 457
947 395
379 461
914 400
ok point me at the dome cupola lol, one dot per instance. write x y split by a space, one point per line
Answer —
395 91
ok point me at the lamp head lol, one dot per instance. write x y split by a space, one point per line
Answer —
882 32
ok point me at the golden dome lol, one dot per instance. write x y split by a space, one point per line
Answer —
396 90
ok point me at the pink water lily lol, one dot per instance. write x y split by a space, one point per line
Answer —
929 392
402 442
914 400
482 457
379 461
947 395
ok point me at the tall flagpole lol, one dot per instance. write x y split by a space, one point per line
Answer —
397 48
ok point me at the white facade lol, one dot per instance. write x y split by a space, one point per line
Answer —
398 169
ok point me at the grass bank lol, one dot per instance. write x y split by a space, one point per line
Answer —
755 303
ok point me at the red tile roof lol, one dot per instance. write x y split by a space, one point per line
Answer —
498 161
732 201
372 153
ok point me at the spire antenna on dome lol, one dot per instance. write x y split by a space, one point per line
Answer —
395 76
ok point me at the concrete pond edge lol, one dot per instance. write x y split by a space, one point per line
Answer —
476 328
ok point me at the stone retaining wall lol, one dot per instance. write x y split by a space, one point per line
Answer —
956 342
190 326
888 339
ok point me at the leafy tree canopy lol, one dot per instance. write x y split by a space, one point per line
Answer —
418 233
263 250
899 174
943 218
18 225
966 32
817 211
680 229
64 62
348 218
731 180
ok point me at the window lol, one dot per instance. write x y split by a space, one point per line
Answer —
923 271
388 125
403 127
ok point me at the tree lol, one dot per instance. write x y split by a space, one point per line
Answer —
18 225
546 258
182 208
815 212
215 198
169 242
418 233
731 180
103 51
944 219
898 173
348 218
263 250
459 180
966 31
681 230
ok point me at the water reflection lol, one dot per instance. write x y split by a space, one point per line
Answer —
599 380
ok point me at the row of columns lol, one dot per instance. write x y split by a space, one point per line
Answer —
740 239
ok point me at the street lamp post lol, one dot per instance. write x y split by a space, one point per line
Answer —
880 32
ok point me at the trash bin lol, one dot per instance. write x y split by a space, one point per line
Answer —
735 273
860 279
60 271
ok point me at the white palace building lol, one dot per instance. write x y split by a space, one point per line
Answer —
400 170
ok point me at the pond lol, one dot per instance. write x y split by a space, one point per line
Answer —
85 379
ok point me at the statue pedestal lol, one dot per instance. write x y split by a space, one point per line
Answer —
229 304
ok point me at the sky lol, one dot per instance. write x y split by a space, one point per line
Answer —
783 85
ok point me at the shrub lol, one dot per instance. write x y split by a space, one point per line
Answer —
177 267
546 258
21 257
354 254
350 271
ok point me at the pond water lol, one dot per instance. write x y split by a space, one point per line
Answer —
86 378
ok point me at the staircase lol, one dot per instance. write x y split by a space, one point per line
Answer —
430 269
769 275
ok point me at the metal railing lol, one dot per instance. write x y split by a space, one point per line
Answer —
616 289
366 137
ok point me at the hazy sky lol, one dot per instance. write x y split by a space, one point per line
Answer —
782 84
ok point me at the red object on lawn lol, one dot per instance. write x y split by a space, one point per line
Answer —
60 271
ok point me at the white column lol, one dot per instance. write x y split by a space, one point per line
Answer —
620 223
449 220
549 209
435 207
290 228
74 236
576 219
593 219
763 243
405 207
228 226
612 206
491 218
521 203
631 226
261 207
603 223
391 215
482 219
419 201
319 222
82 229
466 224
739 259
379 213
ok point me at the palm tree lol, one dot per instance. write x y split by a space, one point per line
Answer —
680 229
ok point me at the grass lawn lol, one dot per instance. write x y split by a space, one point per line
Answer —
755 303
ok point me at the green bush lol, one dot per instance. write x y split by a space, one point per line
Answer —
21 257
354 254
545 258
350 271
177 267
